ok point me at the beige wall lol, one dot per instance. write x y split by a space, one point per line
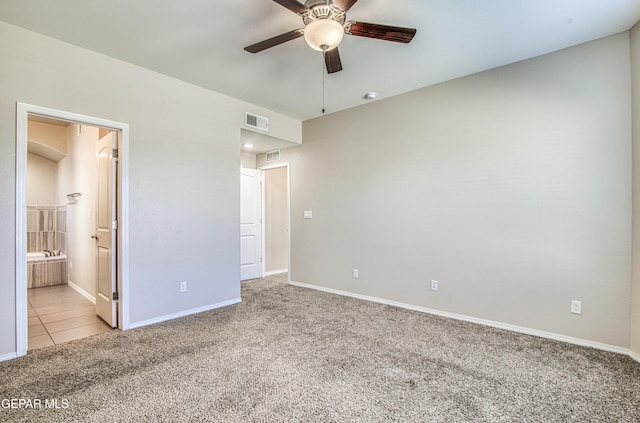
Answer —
276 231
183 170
52 136
47 145
78 173
247 160
511 187
42 177
635 295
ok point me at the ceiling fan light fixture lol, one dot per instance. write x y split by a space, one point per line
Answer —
323 34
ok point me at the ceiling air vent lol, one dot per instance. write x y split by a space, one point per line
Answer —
255 121
273 156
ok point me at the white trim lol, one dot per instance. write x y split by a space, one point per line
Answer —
8 357
263 230
123 228
184 313
276 272
512 328
634 356
81 292
22 113
22 325
264 262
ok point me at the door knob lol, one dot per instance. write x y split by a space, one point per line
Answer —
94 237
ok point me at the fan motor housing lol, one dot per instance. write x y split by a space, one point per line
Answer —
319 9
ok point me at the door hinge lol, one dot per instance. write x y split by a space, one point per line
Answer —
115 296
114 224
114 153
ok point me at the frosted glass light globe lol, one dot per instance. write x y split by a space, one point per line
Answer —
323 34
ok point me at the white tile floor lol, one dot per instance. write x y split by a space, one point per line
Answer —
59 314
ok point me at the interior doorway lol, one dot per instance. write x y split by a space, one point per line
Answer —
63 210
55 228
276 217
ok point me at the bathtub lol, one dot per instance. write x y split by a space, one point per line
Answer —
46 271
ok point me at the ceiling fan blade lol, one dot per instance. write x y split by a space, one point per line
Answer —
344 5
381 32
332 61
293 5
272 42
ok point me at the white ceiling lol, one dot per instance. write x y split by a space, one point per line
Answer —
201 41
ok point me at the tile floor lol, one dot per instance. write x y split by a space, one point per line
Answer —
59 314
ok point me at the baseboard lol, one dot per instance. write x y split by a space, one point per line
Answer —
183 313
634 356
81 292
498 325
276 272
8 357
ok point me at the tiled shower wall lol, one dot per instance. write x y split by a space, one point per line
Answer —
46 228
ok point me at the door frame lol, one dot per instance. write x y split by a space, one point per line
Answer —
23 111
264 250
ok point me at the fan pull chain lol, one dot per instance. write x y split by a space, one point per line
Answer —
324 52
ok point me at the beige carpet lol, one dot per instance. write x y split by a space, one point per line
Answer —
291 354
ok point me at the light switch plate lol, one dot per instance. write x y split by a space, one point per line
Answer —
308 214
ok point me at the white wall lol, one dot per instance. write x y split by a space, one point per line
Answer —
78 173
42 177
635 299
511 187
276 230
183 177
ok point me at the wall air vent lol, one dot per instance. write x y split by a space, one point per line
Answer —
273 156
255 121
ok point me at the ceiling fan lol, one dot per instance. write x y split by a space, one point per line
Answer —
325 25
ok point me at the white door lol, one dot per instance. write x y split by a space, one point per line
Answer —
250 225
106 229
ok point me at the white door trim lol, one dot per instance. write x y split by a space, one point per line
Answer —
264 261
22 113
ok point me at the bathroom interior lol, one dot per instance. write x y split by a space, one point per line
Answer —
60 191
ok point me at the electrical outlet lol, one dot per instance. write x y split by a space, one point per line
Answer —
576 307
434 285
356 273
183 286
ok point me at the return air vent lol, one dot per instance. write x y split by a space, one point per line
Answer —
255 121
273 156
